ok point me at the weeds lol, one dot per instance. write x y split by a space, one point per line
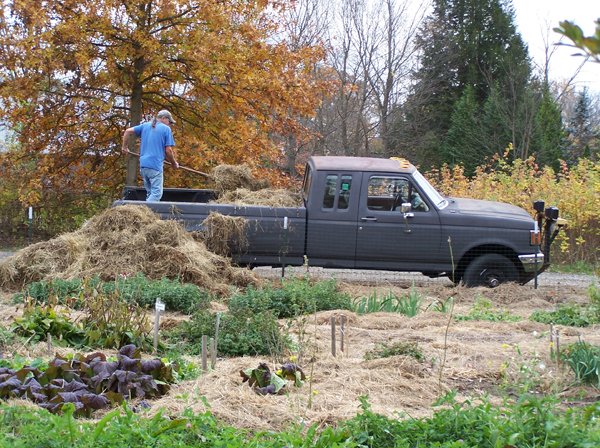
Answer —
384 350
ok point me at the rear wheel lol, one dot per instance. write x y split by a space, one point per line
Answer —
490 270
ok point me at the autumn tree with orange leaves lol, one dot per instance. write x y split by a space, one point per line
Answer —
76 73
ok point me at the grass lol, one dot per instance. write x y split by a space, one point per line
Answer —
578 267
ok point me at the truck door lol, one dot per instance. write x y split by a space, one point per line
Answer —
331 226
388 239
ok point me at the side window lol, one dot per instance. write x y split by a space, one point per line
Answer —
337 186
330 190
345 186
386 193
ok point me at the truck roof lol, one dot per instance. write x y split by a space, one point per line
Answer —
394 164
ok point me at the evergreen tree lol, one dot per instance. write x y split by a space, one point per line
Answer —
466 44
463 141
549 135
583 140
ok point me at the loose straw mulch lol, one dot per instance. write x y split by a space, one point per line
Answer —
121 241
265 197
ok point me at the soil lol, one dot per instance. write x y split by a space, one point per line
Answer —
470 357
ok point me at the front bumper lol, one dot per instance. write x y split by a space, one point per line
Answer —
530 261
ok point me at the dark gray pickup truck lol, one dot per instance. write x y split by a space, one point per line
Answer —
372 213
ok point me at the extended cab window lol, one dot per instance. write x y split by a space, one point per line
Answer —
337 188
388 193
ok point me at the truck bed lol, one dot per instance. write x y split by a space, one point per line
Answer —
276 235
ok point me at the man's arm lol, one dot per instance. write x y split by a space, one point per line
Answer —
170 156
128 132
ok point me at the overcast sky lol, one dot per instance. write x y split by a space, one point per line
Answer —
535 20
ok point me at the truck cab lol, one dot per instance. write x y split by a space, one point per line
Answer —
371 213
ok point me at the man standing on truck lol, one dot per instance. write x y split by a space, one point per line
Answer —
157 143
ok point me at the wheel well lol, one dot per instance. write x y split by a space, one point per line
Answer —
475 252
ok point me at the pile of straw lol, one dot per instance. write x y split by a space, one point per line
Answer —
224 234
232 177
123 241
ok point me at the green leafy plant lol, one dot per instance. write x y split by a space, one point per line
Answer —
384 350
265 382
293 297
6 337
183 369
111 323
483 309
584 360
37 322
566 314
407 304
571 314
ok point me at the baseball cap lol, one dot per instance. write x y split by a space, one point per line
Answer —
165 114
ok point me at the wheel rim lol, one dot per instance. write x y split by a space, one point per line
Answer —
491 277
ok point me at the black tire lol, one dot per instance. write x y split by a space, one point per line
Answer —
490 270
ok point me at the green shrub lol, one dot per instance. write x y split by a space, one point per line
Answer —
384 350
176 296
584 360
41 291
137 289
483 310
239 334
293 298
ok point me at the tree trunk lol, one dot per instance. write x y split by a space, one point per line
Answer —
135 116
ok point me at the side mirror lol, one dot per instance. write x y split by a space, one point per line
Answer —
405 207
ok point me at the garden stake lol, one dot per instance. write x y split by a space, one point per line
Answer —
333 335
557 348
217 324
49 340
159 306
342 331
213 353
204 364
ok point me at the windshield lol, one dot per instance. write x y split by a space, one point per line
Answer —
433 194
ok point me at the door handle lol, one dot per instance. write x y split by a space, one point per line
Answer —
369 218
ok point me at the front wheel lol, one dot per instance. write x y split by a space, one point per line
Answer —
490 270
